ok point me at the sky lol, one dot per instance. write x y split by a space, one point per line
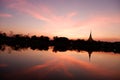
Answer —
66 18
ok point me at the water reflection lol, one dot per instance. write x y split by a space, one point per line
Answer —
55 48
52 64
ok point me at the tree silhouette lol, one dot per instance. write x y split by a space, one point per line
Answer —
19 41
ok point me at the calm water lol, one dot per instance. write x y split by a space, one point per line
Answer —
28 64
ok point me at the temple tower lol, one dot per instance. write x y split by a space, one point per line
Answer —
89 53
90 37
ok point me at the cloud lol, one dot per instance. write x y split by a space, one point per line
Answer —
70 24
63 65
5 15
72 14
23 6
53 22
42 12
99 20
43 70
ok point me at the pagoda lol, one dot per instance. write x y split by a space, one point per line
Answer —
90 37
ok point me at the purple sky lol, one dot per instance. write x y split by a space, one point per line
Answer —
69 18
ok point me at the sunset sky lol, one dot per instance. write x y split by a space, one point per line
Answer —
69 18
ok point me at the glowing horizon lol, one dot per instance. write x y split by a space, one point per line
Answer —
68 18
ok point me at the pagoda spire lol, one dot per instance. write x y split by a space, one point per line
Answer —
90 37
89 53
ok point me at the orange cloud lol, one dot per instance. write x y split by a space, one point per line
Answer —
88 66
43 12
99 20
51 66
55 24
63 25
63 65
24 6
47 68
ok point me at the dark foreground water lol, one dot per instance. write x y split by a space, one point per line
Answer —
28 64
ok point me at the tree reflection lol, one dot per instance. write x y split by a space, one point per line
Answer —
18 41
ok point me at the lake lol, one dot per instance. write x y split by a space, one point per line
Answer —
29 64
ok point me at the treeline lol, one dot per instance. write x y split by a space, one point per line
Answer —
18 41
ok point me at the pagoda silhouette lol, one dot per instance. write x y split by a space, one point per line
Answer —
90 54
90 39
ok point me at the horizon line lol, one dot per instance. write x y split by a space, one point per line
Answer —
11 33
